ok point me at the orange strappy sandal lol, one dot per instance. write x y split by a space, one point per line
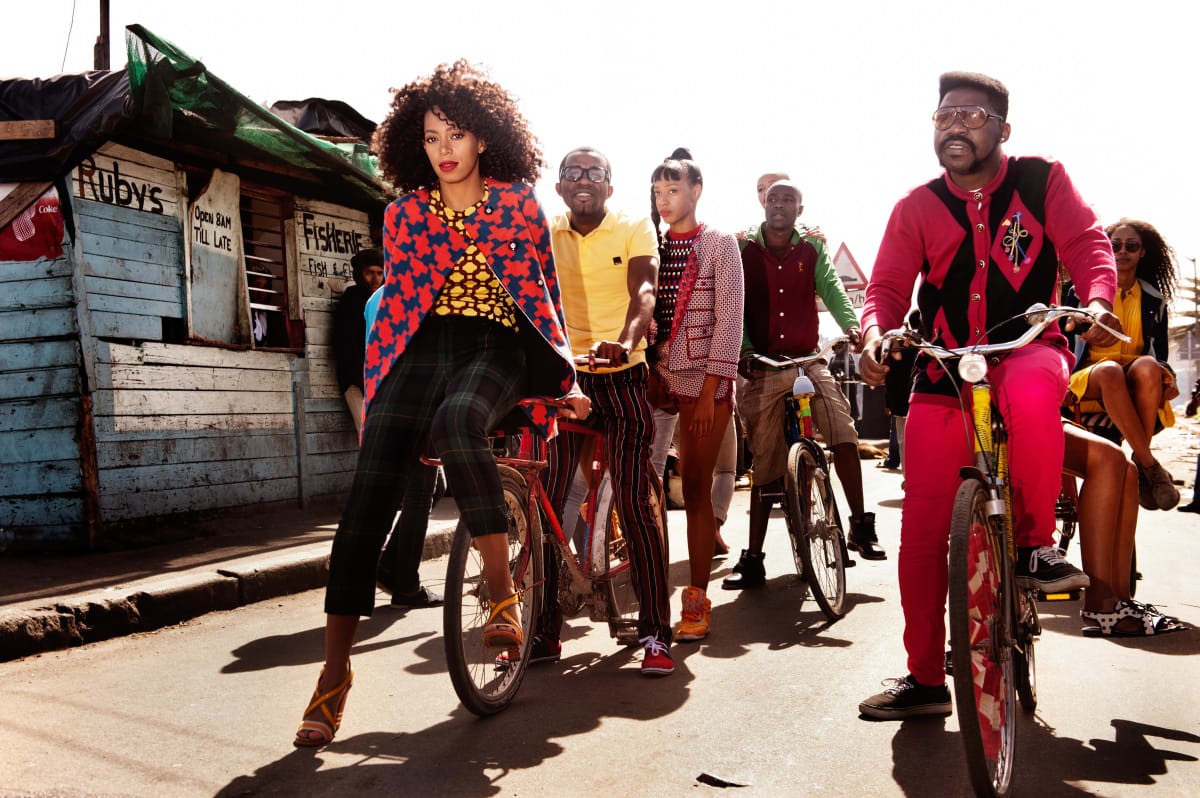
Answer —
313 733
503 628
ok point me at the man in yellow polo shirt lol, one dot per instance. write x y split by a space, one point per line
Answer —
607 264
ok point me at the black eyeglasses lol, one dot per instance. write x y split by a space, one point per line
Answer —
573 174
973 116
1131 246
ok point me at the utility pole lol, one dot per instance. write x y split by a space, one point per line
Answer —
100 51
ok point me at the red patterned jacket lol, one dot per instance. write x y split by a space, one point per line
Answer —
706 329
419 253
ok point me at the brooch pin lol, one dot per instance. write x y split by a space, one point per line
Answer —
1012 242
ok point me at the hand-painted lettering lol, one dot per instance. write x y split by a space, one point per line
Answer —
108 186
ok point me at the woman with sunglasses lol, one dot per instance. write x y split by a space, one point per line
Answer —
1132 382
469 323
698 319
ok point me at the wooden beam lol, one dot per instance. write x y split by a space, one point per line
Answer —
20 198
28 129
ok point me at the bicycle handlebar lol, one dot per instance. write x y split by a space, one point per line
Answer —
1038 315
800 361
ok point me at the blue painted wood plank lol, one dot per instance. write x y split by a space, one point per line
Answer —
41 510
329 442
330 422
39 382
325 406
341 462
39 479
139 290
124 325
46 538
180 449
49 292
135 306
21 356
17 325
39 414
132 270
108 246
329 484
169 237
35 446
122 506
189 475
182 434
18 270
115 213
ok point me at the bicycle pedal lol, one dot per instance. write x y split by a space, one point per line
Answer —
1070 595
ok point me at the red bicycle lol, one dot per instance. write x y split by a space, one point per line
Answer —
597 578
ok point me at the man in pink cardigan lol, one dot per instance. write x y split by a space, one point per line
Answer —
985 240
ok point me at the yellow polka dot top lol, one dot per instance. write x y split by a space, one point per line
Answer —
472 288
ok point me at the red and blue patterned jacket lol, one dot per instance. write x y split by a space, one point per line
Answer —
419 253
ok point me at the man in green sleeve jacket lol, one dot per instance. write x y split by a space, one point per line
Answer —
784 273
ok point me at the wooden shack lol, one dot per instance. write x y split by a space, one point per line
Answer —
173 355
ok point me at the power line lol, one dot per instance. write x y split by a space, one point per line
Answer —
68 45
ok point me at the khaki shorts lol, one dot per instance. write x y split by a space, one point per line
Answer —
760 404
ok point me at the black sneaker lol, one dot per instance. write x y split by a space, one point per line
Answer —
1043 568
862 538
749 572
906 698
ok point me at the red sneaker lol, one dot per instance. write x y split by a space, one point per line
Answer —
657 661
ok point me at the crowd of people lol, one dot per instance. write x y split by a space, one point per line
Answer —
483 302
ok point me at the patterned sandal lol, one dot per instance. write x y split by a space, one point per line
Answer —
1152 621
313 733
503 628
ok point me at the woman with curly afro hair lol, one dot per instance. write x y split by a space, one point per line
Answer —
1132 381
468 323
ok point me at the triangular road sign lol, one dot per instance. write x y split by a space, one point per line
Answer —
847 269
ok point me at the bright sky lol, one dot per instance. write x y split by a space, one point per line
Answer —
837 93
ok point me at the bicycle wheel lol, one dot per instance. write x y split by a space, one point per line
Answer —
983 665
815 528
624 605
483 684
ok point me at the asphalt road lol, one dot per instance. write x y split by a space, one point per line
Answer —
768 701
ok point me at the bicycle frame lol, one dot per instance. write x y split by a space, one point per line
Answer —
586 569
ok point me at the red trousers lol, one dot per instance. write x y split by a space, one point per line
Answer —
1029 386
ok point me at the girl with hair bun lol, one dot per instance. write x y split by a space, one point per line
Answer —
698 322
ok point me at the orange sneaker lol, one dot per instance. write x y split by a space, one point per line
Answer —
696 615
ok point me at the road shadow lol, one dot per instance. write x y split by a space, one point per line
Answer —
774 615
468 756
1045 762
308 647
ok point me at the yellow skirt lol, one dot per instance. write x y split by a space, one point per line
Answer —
1079 384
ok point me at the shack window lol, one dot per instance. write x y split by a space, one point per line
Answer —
263 215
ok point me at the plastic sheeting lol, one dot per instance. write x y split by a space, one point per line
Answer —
90 108
181 99
165 94
324 118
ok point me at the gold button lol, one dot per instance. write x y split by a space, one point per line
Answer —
979 227
978 196
981 263
974 297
